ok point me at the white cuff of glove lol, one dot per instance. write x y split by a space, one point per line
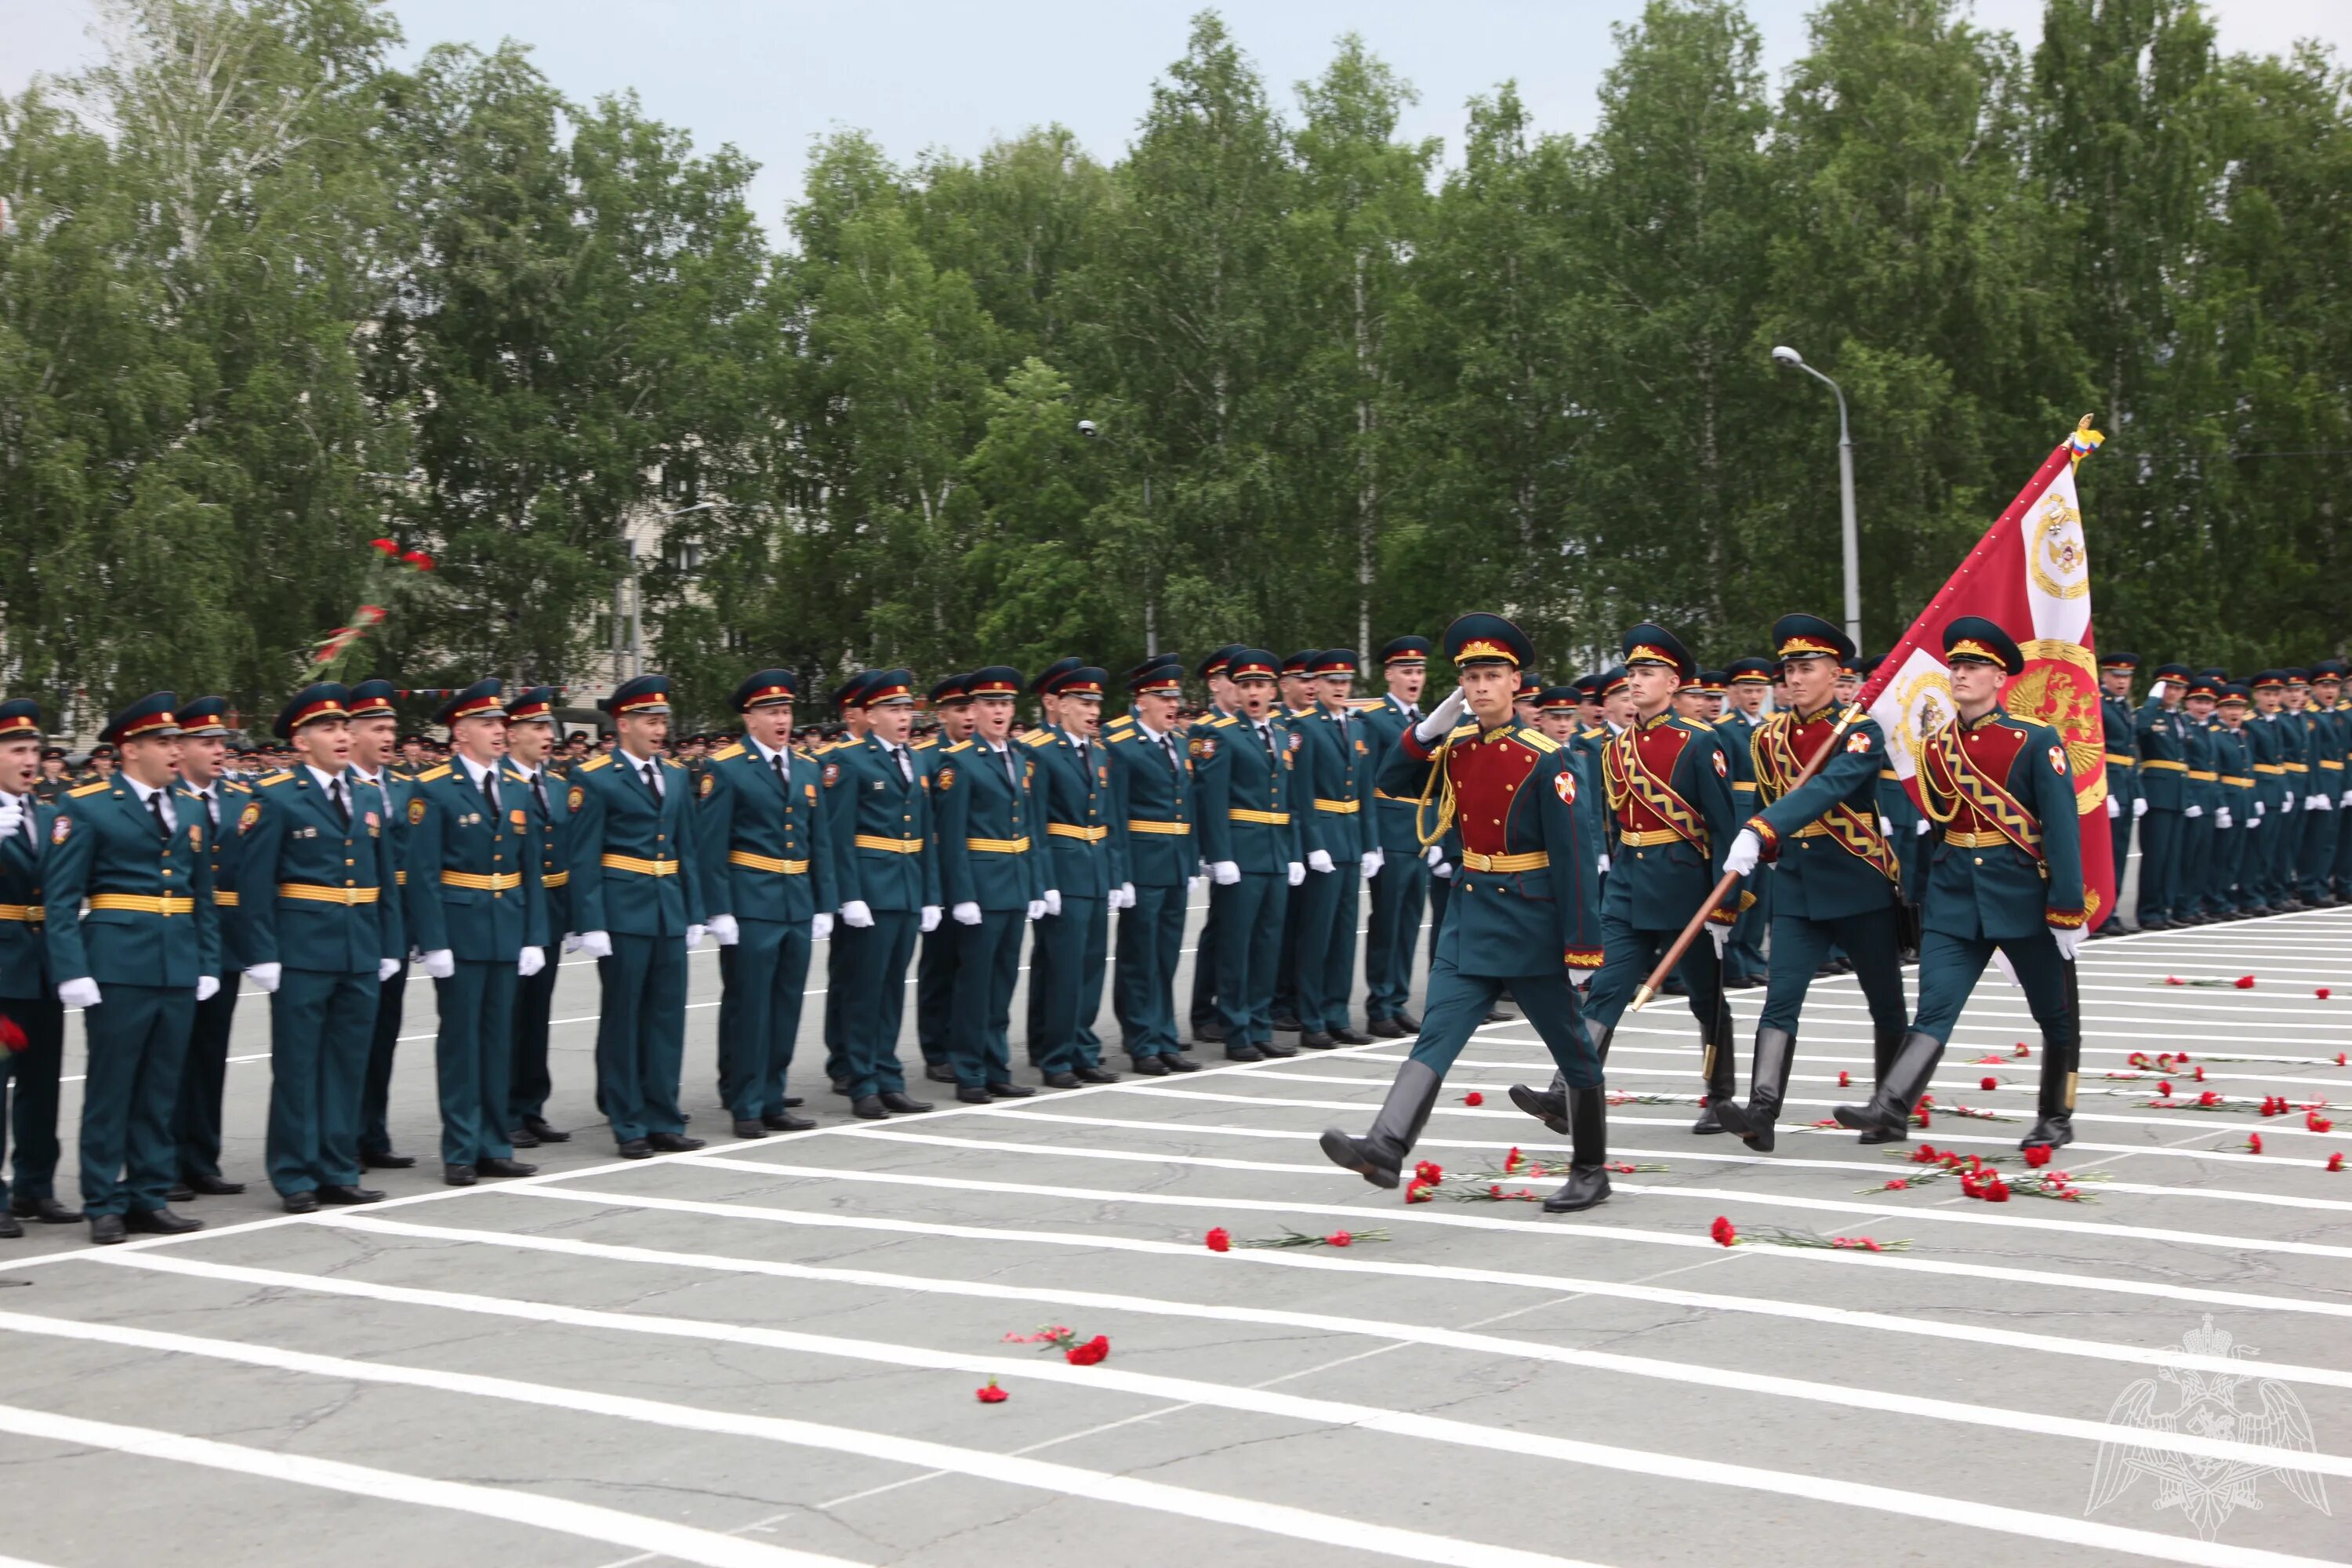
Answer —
821 926
1127 895
12 820
1318 860
572 942
2318 802
596 943
2223 818
441 963
2347 801
1434 855
1298 873
1601 864
1746 850
2069 941
1924 828
2115 808
694 935
929 921
965 914
1225 873
264 975
1036 909
2287 805
385 968
2192 811
855 915
1444 717
83 993
1054 900
530 961
1373 864
1720 935
207 987
2140 806
724 930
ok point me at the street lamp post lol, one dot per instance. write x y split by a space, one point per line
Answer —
1853 539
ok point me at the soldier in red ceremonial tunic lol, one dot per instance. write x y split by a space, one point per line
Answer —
1522 911
2005 873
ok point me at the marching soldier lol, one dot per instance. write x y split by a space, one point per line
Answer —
636 892
318 899
1834 874
548 796
372 723
1748 688
935 974
29 1075
2007 876
137 960
2201 798
879 806
2162 730
1522 918
2125 803
1400 888
767 878
1207 1019
993 868
1073 942
476 911
1334 783
1243 767
196 1109
1155 854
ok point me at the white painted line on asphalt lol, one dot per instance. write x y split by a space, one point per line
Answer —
1271 1517
682 1541
1408 1333
1901 1262
2025 1071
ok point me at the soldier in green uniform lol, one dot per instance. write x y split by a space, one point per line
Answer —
29 1075
2234 763
1334 780
1296 694
637 897
197 1110
2340 781
1747 685
134 942
2324 749
993 867
768 888
935 974
54 781
2006 876
372 724
1207 1020
2273 819
2125 805
2295 743
1523 918
1834 875
2162 731
1400 888
531 771
878 802
1073 936
838 1001
318 899
1155 854
477 914
1243 766
2200 796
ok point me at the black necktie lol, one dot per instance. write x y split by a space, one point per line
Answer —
211 806
782 782
1168 744
155 805
650 782
335 793
490 792
1265 733
538 789
906 772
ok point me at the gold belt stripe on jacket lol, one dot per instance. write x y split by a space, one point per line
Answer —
1137 825
483 882
889 846
1534 860
1271 818
1645 838
2332 766
319 893
999 846
780 866
32 914
2298 767
641 866
224 898
1954 837
1338 808
554 879
1072 831
2269 768
2164 764
2203 777
2125 758
2234 779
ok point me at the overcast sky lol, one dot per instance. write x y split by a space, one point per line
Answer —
769 75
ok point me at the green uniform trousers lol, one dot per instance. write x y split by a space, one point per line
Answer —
528 1082
1458 1004
197 1110
935 988
138 1038
763 977
1143 993
1399 894
641 1034
1248 915
1799 948
986 967
1066 984
383 1039
472 1055
1326 905
320 1026
873 992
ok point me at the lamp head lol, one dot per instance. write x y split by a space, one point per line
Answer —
1783 354
1089 428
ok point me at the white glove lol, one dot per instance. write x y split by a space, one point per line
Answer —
855 915
2222 818
2069 941
929 919
2139 807
1225 873
1601 865
2347 801
1317 860
12 819
1441 719
724 930
530 961
1373 861
1126 896
385 968
2192 811
2115 808
2258 811
1721 936
441 963
572 942
2287 805
1885 828
207 987
1298 873
2317 803
596 943
83 993
2256 820
820 926
1054 900
1746 850
1192 883
694 934
266 975
1923 828
966 913
1434 855
1443 870
1036 909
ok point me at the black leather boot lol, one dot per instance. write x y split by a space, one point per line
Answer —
1882 1051
1549 1105
2053 1125
1899 1087
1719 1067
1379 1156
1775 1051
1587 1160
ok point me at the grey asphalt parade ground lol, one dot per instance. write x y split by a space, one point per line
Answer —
766 1353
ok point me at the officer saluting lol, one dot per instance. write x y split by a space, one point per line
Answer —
196 1112
1154 851
318 899
530 743
29 1075
636 890
2007 876
767 859
476 912
993 868
1522 915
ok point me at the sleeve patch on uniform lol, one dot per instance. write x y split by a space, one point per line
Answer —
947 780
63 826
831 774
1205 746
709 782
1722 768
2058 761
1858 741
245 819
576 797
416 811
1564 784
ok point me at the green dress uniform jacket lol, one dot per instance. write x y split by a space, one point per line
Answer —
30 1080
196 1109
549 799
1155 851
2234 762
1829 858
1247 817
1336 793
992 853
1401 891
1072 949
2007 863
882 830
1669 847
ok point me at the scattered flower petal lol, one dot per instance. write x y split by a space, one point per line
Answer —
1988 1083
1723 1231
992 1394
2245 983
1219 1239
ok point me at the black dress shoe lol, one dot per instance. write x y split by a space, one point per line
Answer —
1009 1092
1149 1066
633 1149
522 1138
1287 1023
1275 1048
1061 1080
161 1222
1410 1025
387 1161
750 1126
1244 1054
105 1229
672 1142
1177 1064
841 1089
779 1122
537 1128
940 1074
970 1095
1352 1037
48 1211
496 1165
1096 1075
1386 1029
868 1107
181 1193
11 1228
301 1203
457 1175
1209 1034
2050 1132
1318 1040
340 1193
898 1102
793 1102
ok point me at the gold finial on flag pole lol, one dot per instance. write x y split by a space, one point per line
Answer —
2082 443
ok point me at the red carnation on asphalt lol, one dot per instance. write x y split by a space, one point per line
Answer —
2245 983
2200 1072
12 1035
2164 1088
1417 1191
1473 1098
2174 980
2037 1155
2321 993
1846 1079
992 1394
1338 1238
1428 1171
2336 1162
1988 1083
2021 1050
2314 1123
1898 1185
2253 1142
1219 1239
1723 1232
1086 1354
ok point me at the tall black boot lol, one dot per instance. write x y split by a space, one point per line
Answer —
1882 1049
1775 1053
1379 1156
1719 1067
2053 1125
1899 1087
1549 1106
1587 1160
